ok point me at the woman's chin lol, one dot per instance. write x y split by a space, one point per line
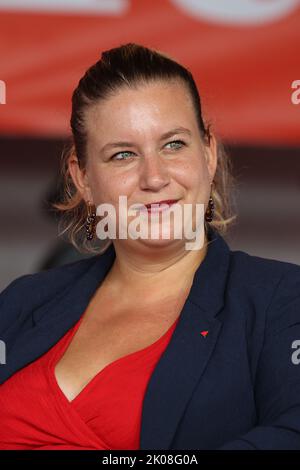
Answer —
159 242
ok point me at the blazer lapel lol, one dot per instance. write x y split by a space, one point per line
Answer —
184 360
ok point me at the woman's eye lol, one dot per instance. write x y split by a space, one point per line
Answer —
180 142
119 153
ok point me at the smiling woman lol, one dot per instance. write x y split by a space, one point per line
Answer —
136 100
149 345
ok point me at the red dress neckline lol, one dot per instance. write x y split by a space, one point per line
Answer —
66 340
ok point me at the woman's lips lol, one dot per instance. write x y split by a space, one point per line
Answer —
159 207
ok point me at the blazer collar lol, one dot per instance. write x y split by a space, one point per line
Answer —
209 281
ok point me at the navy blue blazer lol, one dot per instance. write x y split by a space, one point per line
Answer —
236 388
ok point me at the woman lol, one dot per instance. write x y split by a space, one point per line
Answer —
146 344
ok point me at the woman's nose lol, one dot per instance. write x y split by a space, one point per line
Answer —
154 173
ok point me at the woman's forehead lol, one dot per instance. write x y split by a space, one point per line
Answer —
154 110
171 93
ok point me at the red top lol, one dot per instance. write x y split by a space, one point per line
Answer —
105 415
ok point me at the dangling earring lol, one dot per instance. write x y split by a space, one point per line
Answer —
209 214
90 222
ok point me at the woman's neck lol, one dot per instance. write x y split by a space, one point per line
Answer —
138 273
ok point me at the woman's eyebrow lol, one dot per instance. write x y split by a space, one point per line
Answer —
177 130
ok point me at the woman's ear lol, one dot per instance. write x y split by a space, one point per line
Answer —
211 153
80 178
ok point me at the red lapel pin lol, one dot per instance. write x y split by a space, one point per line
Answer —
204 333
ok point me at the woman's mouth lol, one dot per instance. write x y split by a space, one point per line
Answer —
160 206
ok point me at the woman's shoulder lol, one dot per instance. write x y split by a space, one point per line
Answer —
244 267
271 283
54 276
28 291
256 269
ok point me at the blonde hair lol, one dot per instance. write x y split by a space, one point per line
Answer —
130 65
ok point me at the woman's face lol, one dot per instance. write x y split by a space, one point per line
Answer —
129 152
